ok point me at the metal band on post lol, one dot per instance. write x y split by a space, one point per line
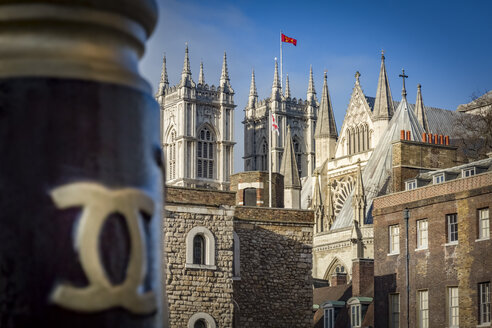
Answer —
81 170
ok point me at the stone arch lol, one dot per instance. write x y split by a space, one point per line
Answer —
209 246
202 316
335 263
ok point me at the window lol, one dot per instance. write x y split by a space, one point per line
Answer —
355 315
484 302
452 228
438 178
264 156
394 239
200 324
201 320
465 173
423 309
205 154
236 256
394 310
198 250
172 155
249 197
453 307
412 184
329 318
422 234
483 224
298 152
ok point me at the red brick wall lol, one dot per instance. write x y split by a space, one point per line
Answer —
440 265
262 194
362 277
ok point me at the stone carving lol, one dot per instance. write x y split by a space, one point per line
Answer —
98 203
341 189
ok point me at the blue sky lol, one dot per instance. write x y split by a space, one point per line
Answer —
443 45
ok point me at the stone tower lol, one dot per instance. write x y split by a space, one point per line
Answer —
299 114
197 129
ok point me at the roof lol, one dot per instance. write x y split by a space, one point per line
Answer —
482 101
377 171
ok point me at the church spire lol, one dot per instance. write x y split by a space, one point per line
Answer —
276 89
164 83
289 165
359 199
311 92
326 126
225 83
201 77
318 206
186 79
419 109
253 94
287 87
383 105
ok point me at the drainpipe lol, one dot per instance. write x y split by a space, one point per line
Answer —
406 216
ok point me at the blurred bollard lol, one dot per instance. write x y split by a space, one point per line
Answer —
80 166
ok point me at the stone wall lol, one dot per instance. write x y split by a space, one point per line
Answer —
275 287
193 290
441 264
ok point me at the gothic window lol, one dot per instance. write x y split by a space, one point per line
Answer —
264 155
298 153
205 154
348 142
189 119
172 156
198 250
358 147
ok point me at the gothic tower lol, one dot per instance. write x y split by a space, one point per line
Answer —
197 129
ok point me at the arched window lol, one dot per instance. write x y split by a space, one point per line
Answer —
172 155
198 250
348 142
205 154
200 323
201 320
264 156
298 152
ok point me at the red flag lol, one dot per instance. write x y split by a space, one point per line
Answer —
275 125
289 40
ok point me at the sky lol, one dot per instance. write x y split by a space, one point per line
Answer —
443 45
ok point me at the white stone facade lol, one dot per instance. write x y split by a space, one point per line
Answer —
197 129
299 114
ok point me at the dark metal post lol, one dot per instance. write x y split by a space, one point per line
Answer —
80 182
406 216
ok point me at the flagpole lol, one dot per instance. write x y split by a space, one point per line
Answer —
270 159
281 77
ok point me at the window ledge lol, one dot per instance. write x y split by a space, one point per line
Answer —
200 266
477 240
421 249
236 278
453 243
487 324
391 254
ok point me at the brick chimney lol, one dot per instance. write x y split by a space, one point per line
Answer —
338 279
362 277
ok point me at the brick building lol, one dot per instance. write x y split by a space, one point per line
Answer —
236 266
449 265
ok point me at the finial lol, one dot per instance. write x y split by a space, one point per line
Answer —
357 77
382 54
419 86
403 90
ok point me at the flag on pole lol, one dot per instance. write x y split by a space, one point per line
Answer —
275 125
288 40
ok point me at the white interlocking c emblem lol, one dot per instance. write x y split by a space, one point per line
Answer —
98 203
